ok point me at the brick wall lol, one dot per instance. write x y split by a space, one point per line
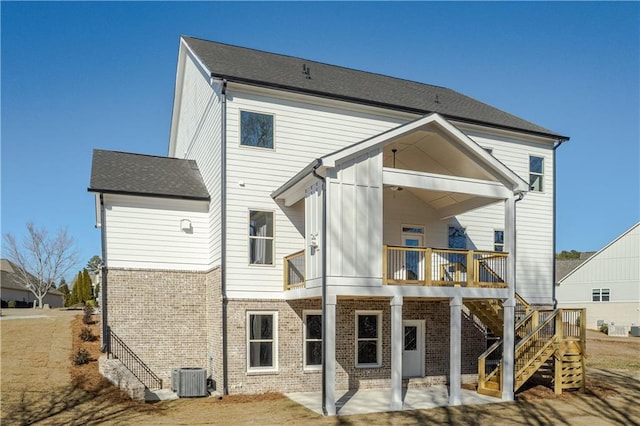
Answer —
162 316
174 319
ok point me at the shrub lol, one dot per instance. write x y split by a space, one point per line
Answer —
12 303
87 335
81 357
88 311
92 303
604 328
578 322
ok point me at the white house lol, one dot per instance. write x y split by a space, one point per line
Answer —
319 228
607 284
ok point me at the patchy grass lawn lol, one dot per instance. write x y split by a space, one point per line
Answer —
39 385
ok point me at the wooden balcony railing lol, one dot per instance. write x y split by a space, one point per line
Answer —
443 267
294 270
423 266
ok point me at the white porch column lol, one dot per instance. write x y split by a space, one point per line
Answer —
508 346
455 351
508 340
397 345
329 340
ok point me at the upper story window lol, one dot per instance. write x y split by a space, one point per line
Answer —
256 129
536 173
498 240
600 294
260 237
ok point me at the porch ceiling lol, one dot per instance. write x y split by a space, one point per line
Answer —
432 151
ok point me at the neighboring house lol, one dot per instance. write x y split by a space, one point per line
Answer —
607 284
320 228
564 266
13 291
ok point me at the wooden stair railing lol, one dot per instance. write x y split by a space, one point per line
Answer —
557 336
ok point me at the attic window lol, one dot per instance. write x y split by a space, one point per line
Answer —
256 129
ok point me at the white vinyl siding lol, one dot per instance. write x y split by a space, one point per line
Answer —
303 132
198 137
144 232
534 213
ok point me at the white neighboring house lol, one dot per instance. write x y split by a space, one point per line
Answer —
607 284
12 291
316 228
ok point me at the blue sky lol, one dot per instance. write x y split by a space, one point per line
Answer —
78 76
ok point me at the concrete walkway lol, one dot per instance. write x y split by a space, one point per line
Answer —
378 400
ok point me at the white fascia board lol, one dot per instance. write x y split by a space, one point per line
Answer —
183 52
297 191
433 292
444 183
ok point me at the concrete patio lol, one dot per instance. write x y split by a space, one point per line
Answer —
378 400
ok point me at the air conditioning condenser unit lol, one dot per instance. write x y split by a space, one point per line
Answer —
189 382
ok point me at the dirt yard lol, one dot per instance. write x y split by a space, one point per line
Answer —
39 385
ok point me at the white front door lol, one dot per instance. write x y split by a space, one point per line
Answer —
413 348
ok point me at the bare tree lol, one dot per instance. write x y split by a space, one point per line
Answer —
41 260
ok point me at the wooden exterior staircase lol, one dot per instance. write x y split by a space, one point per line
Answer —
544 339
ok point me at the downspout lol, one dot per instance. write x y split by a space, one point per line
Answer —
103 284
555 192
324 280
223 236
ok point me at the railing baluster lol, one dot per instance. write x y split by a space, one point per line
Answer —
116 348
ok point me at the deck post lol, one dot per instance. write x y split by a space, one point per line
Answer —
396 353
508 349
455 351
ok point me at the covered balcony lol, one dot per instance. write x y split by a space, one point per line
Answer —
403 265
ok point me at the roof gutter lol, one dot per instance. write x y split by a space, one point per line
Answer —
555 227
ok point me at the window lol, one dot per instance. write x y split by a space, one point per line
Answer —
498 240
536 173
368 342
262 341
457 240
312 340
600 294
256 129
260 237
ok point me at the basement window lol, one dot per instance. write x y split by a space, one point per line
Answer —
368 339
312 340
262 341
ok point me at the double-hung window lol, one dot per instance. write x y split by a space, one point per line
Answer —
368 339
262 341
498 240
260 237
312 340
536 173
256 129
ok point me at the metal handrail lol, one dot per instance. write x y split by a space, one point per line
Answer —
116 348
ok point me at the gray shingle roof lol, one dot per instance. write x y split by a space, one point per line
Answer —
137 174
250 66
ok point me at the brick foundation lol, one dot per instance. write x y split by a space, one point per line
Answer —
174 319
